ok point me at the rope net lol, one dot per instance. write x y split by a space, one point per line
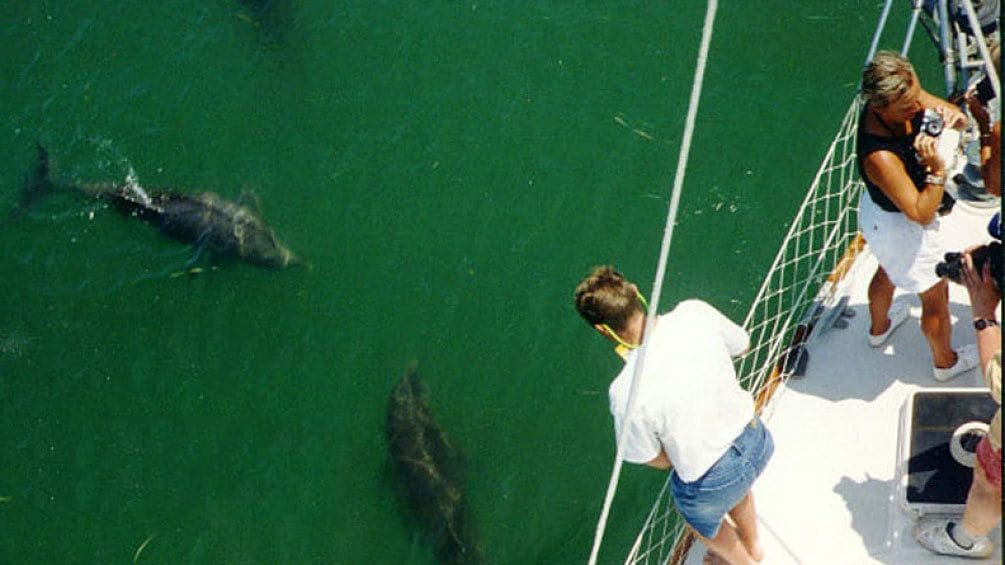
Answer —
800 284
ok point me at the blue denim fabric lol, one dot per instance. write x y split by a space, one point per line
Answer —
704 502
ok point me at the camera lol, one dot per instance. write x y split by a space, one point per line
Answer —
932 123
985 91
947 204
952 267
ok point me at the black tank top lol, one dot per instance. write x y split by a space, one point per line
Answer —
901 146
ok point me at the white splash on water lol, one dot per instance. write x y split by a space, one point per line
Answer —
133 185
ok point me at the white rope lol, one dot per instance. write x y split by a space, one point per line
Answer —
685 149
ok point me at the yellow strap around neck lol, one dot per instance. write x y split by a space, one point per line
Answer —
623 347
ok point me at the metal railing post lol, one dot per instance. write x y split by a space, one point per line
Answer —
946 47
878 34
982 46
915 14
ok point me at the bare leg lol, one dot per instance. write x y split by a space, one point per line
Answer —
726 546
745 517
936 325
984 505
880 297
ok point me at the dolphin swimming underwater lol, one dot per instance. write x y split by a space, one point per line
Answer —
202 219
429 470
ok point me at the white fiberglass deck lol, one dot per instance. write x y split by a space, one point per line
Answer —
830 494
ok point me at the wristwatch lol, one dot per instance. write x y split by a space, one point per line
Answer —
937 180
984 323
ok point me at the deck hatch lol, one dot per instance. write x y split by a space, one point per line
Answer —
934 476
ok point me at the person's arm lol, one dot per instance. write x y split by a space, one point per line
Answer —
984 299
991 143
993 377
736 338
661 462
989 342
991 159
641 446
887 171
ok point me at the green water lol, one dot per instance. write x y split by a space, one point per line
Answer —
450 170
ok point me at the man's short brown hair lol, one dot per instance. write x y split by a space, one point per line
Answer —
607 297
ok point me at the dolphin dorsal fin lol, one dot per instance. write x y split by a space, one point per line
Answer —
250 200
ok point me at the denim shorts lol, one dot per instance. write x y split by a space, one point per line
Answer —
703 503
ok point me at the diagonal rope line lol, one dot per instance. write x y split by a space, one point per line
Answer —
692 111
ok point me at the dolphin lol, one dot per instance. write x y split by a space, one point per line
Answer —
429 472
203 219
270 15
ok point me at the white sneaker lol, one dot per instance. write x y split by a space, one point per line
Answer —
966 359
897 314
930 531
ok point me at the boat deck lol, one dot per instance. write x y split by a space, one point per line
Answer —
831 492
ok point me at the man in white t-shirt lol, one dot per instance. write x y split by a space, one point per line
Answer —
690 414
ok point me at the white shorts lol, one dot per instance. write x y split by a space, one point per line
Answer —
907 251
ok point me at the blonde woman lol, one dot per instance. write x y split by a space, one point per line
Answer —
905 177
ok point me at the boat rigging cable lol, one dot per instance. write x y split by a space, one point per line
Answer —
685 148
